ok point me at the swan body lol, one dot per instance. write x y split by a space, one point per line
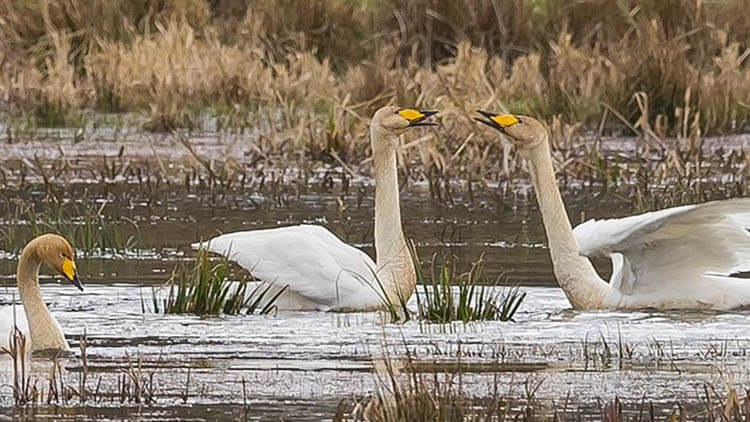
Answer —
681 257
33 319
319 271
684 257
323 273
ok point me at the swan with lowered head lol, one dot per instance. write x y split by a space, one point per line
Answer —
38 324
321 271
677 258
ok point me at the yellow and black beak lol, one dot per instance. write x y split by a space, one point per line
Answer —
497 121
417 117
70 272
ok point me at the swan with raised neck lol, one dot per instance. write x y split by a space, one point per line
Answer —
317 269
575 274
684 257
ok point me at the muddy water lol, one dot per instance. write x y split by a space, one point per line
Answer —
507 234
300 365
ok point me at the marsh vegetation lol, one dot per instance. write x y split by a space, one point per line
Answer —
665 67
203 287
658 70
449 293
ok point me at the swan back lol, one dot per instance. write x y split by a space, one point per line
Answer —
300 257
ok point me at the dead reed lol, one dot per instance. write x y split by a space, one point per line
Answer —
407 392
133 384
326 65
297 84
24 389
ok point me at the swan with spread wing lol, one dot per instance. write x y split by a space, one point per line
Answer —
686 257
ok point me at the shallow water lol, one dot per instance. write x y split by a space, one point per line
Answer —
301 365
304 364
299 361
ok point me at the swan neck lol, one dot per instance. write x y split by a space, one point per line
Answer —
44 331
575 274
395 268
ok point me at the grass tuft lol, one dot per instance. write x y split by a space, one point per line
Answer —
451 295
202 287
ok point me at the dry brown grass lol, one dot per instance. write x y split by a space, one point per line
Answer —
306 77
410 390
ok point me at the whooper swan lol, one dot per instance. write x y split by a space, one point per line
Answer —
321 271
38 325
677 258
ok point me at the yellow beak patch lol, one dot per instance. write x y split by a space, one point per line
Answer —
410 114
505 120
69 268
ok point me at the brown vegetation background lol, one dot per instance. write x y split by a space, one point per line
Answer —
318 68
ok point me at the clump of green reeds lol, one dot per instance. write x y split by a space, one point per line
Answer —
451 295
202 287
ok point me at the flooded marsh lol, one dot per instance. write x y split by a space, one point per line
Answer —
133 129
326 366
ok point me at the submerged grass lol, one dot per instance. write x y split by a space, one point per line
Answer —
406 393
202 287
83 221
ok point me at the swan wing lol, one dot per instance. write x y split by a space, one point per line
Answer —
671 244
311 260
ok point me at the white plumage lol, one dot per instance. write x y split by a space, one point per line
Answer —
6 323
322 272
678 257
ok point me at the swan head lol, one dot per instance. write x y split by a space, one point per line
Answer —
57 254
396 120
524 132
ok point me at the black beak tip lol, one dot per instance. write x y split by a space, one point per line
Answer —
421 121
77 282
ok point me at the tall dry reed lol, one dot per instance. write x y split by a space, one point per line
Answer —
309 75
